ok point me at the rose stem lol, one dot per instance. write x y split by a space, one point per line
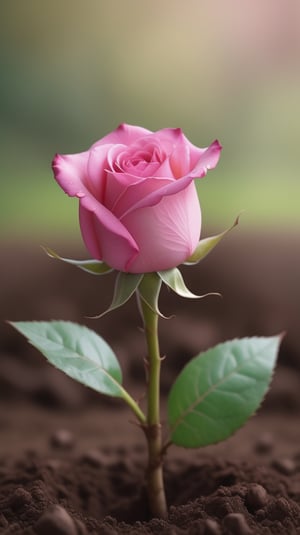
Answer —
155 483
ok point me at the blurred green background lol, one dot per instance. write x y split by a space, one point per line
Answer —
72 70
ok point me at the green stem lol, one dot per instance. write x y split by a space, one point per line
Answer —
155 483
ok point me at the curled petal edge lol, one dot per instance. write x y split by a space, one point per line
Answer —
208 160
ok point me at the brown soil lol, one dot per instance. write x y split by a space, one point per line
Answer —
72 462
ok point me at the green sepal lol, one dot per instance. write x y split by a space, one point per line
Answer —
174 280
149 290
125 286
95 267
208 244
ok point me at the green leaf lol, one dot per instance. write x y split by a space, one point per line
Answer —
95 267
78 351
174 280
208 244
125 286
220 389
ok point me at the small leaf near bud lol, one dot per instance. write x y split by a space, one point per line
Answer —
125 286
208 244
95 267
174 280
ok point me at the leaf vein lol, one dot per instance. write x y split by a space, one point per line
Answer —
200 398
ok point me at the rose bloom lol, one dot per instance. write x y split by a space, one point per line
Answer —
138 205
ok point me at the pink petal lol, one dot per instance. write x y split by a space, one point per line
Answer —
136 192
105 236
169 188
116 186
167 233
180 159
181 154
168 137
186 156
164 170
98 164
125 134
208 160
70 171
124 189
135 160
195 153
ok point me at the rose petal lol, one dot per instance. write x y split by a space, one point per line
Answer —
135 192
177 223
208 160
123 188
167 138
96 167
116 182
105 236
134 166
116 186
70 171
180 160
164 170
125 134
179 150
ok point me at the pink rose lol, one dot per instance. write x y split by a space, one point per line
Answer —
138 205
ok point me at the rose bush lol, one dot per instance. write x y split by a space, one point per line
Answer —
139 210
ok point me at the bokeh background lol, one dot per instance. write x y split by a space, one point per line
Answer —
72 70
